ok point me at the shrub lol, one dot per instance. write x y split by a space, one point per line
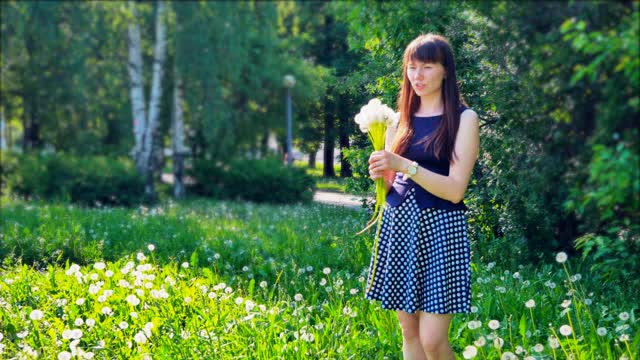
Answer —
90 180
263 180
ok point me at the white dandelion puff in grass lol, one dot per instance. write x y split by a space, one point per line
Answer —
565 304
65 355
624 337
107 311
498 342
624 316
263 284
561 257
530 304
140 338
565 330
36 315
474 324
133 300
298 297
538 348
508 355
470 352
151 247
480 342
601 331
326 271
553 342
494 324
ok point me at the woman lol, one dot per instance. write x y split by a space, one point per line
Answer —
420 266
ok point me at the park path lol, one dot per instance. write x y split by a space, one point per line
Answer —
338 199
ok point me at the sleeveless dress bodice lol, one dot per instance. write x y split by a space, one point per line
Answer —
423 126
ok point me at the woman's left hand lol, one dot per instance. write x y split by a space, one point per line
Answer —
384 160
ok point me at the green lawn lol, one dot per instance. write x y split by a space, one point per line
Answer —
205 279
336 184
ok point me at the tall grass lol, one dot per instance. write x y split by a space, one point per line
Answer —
223 280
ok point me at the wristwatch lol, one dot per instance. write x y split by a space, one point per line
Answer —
411 170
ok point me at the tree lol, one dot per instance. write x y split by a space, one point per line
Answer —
145 122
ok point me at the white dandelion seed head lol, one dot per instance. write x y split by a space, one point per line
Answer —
151 247
601 331
565 330
36 315
470 352
326 271
140 337
508 355
298 297
561 257
480 342
133 300
538 348
624 316
498 342
494 324
530 304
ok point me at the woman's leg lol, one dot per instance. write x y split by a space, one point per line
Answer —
434 335
410 325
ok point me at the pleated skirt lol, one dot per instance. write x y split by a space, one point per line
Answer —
422 260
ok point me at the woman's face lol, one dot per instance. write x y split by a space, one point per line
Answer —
425 78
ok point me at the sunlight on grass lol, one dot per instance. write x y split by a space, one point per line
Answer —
226 280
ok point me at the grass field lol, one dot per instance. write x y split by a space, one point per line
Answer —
220 280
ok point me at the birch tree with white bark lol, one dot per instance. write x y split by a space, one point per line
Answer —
145 122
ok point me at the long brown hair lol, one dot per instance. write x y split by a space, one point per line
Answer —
430 48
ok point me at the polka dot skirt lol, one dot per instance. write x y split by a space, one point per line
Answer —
423 260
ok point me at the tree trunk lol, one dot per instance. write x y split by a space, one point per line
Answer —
179 149
312 159
136 90
329 140
343 128
31 130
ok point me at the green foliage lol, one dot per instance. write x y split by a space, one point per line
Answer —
610 194
90 180
614 256
259 180
547 91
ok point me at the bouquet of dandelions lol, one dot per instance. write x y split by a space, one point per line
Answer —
374 119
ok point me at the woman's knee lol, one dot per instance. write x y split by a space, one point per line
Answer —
409 323
433 343
434 332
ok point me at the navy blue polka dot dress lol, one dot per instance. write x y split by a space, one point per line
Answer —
422 261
